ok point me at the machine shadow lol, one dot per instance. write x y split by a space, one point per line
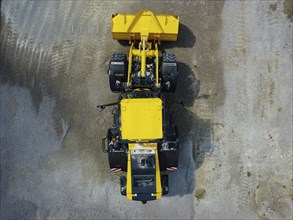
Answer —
186 39
195 134
195 142
187 90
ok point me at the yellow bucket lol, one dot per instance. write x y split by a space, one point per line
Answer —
161 27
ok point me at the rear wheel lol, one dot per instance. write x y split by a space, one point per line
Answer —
168 156
169 150
117 154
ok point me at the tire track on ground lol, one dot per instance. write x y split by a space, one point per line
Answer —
241 40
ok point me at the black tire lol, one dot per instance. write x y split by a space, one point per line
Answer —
169 57
116 151
169 73
118 56
117 158
117 71
169 157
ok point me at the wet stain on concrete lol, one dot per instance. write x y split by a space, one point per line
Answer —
273 7
270 200
288 9
200 193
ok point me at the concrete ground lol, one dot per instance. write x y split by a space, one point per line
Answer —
235 63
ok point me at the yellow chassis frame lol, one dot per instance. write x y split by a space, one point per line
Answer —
159 190
143 52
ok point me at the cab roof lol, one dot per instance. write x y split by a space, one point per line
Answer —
141 119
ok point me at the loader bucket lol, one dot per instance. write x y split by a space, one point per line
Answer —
161 27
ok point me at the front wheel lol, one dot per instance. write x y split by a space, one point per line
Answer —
169 73
117 71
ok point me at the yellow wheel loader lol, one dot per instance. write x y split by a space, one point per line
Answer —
143 141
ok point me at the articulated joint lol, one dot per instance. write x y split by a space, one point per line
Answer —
144 50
